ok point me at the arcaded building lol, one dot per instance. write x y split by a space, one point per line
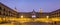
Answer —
5 11
33 14
55 13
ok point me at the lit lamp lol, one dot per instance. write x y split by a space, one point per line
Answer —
21 16
33 16
47 17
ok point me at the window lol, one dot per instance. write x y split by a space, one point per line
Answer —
3 13
0 8
0 13
4 9
6 13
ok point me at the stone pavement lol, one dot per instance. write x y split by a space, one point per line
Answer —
31 23
6 24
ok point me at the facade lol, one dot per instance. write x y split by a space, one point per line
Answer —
52 14
33 14
6 11
42 15
55 13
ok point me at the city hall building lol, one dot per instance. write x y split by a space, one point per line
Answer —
5 11
33 14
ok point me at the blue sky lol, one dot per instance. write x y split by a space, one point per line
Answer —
29 5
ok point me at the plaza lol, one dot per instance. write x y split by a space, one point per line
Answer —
27 18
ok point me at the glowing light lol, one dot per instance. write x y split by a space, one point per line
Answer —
21 16
47 17
33 16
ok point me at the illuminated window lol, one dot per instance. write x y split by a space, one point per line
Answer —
33 16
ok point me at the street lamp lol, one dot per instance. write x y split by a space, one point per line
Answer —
47 17
21 16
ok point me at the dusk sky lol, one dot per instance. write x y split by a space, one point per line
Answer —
29 5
